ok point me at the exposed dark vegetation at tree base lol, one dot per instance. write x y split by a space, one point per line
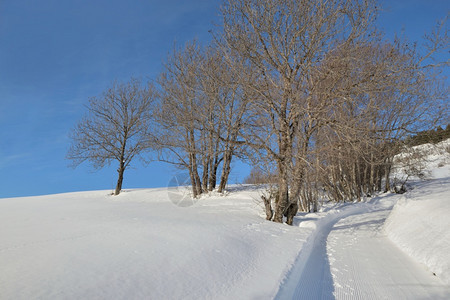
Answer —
309 92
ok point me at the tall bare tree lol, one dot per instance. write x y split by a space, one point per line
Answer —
377 92
330 96
115 128
284 41
221 80
179 137
200 114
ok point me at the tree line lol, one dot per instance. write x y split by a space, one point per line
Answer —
433 136
307 91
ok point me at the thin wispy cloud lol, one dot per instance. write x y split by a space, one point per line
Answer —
10 160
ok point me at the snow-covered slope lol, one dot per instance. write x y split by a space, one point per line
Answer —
147 244
420 221
140 245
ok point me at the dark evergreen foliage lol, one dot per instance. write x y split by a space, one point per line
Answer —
433 136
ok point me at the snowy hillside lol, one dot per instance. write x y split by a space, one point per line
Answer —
420 221
143 244
139 245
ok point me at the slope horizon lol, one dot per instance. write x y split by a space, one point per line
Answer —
54 56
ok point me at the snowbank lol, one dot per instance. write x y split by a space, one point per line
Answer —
420 222
420 225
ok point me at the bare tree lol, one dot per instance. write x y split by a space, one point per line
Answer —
221 80
179 135
200 114
115 128
329 97
284 41
378 92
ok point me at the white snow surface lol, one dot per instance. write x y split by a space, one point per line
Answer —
140 245
350 256
420 222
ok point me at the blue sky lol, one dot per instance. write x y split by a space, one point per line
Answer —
55 54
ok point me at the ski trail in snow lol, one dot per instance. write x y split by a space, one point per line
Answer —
365 264
310 277
349 257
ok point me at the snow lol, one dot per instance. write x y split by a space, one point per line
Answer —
354 253
419 223
141 245
349 256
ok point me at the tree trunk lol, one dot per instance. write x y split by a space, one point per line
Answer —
206 173
193 174
225 170
195 178
198 182
387 174
213 173
285 157
357 179
268 205
365 180
371 176
193 168
379 177
121 170
283 193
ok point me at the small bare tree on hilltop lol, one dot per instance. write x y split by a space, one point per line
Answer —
115 128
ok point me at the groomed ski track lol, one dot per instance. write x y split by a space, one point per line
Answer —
350 257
